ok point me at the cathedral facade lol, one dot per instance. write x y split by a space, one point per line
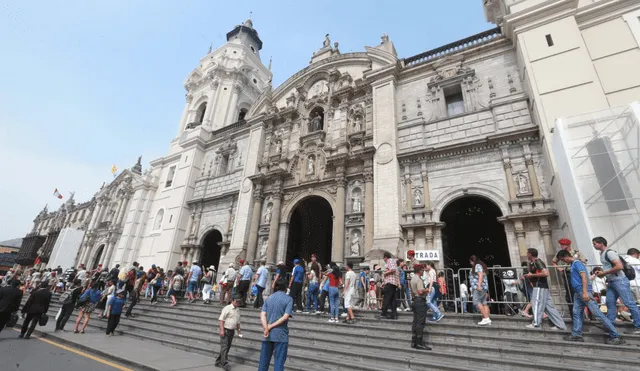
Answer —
445 152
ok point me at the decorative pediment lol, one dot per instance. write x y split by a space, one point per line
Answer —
450 68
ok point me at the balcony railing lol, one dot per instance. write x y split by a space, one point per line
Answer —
453 47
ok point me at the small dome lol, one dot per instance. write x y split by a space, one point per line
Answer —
248 23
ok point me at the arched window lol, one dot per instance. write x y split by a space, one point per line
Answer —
242 114
200 112
157 224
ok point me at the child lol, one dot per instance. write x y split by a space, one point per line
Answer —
114 310
373 301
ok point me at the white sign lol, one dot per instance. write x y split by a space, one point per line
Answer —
433 255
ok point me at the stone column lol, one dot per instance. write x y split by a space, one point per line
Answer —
425 187
252 244
185 113
338 243
123 210
428 237
407 184
545 231
438 246
209 114
506 163
114 222
231 110
94 216
275 222
187 235
509 175
533 178
368 210
522 242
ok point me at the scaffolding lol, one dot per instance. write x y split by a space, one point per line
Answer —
598 163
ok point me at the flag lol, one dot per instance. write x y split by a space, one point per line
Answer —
114 170
57 194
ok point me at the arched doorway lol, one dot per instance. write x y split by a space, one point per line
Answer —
211 249
97 257
472 228
310 231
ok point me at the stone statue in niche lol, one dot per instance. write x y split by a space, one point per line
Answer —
523 183
263 248
278 147
357 123
311 168
357 203
355 244
267 214
417 197
315 123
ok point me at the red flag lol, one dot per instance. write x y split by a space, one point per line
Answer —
57 194
37 261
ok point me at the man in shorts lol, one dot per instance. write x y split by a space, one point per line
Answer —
194 275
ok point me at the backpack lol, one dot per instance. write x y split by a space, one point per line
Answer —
67 296
628 270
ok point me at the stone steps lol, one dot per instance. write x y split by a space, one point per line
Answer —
502 346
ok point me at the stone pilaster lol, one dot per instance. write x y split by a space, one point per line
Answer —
231 110
368 210
428 237
411 240
338 243
533 178
275 222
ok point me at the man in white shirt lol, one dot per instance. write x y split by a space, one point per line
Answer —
350 279
82 274
633 258
229 323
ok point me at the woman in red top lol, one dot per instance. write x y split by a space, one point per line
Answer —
335 280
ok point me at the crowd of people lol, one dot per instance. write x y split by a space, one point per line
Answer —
607 293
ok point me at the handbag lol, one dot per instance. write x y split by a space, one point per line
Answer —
44 319
13 320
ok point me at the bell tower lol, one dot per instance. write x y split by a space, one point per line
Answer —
226 82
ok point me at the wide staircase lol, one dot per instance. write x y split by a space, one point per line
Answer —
373 344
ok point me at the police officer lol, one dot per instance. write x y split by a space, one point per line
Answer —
419 295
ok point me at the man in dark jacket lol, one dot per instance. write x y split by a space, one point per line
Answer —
68 305
10 298
113 275
34 308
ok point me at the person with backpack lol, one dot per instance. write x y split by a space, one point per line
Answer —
87 304
618 273
68 300
582 297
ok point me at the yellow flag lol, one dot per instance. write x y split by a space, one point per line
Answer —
114 169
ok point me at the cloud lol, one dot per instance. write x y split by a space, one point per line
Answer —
30 179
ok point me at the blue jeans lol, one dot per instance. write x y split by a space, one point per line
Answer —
432 303
278 350
578 315
407 294
312 296
620 289
334 302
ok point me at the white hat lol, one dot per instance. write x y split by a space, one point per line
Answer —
212 268
280 262
230 265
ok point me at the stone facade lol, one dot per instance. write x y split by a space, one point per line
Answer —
387 143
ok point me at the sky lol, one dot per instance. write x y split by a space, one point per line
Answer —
85 84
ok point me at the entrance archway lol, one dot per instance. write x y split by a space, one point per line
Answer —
310 231
211 249
472 228
97 257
